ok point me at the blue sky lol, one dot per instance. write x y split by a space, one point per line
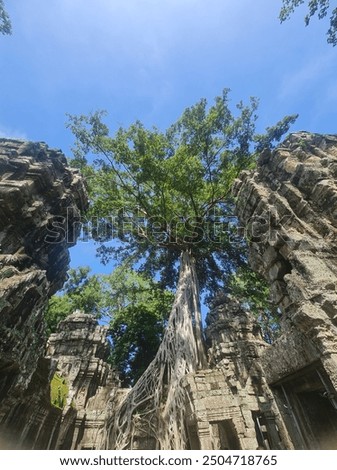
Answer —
149 59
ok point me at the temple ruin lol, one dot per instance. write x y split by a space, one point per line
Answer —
249 394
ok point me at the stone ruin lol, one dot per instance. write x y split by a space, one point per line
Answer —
230 405
80 349
253 395
40 202
287 207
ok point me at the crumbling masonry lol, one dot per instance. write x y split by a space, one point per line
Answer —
37 191
288 207
252 394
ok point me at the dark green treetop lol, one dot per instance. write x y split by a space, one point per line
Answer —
321 8
138 308
5 22
81 292
254 293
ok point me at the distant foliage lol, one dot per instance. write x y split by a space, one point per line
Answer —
80 292
135 307
5 22
319 8
138 308
253 292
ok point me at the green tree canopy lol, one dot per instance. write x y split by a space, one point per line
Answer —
161 193
5 22
321 8
253 292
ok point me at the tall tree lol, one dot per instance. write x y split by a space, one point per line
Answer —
162 193
5 22
165 197
321 8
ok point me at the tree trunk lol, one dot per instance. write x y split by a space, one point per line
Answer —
154 409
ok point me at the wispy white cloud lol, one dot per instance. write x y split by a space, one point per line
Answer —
309 75
8 133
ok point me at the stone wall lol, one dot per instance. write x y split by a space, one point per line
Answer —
41 200
230 405
288 210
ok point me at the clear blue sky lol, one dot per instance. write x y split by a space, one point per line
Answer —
149 59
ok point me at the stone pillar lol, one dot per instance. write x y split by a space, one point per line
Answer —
288 210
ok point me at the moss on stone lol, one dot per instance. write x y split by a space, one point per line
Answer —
58 391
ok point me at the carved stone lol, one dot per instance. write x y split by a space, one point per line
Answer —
80 349
252 395
288 210
41 199
230 405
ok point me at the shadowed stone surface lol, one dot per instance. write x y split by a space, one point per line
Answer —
289 211
41 200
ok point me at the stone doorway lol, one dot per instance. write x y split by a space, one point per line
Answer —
308 402
224 435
